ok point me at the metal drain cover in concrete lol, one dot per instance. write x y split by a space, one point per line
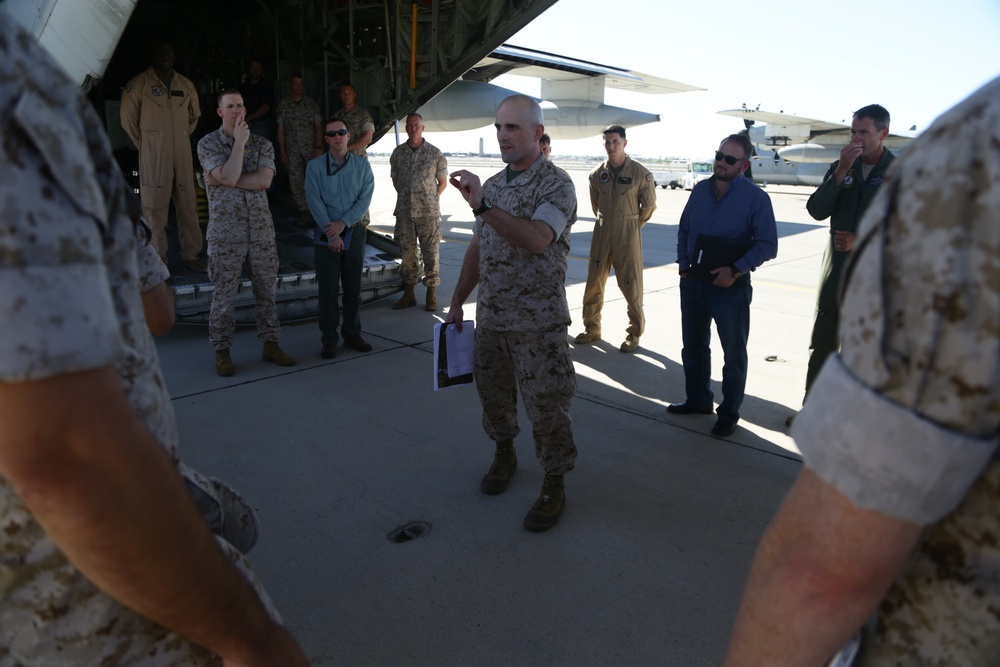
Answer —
408 532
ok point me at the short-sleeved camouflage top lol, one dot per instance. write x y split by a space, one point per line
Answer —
415 173
518 290
358 120
69 289
235 214
299 118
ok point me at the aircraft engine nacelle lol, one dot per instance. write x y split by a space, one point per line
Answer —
464 105
569 122
810 153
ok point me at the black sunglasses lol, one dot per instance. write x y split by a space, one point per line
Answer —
729 159
335 133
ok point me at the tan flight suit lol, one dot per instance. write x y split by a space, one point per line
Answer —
160 122
622 205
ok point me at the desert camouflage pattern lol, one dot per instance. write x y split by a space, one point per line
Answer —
299 118
622 204
60 237
522 317
358 120
919 328
152 270
536 363
415 175
240 230
518 290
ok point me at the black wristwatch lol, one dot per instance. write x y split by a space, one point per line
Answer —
736 272
486 205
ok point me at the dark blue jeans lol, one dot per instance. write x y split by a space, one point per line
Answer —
729 307
332 270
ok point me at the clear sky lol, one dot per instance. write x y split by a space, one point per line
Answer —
822 60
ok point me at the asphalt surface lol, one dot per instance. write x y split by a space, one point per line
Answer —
648 561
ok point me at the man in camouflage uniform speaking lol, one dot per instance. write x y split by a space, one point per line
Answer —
895 514
419 173
518 258
238 168
300 139
104 559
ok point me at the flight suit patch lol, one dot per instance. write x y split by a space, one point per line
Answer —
649 177
177 93
874 181
848 182
128 87
157 91
625 180
605 177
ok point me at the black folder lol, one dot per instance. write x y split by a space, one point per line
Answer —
712 252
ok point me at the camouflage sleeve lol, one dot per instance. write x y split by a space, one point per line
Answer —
152 270
51 244
266 159
557 203
904 420
211 153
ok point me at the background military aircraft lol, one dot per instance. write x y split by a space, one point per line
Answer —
794 150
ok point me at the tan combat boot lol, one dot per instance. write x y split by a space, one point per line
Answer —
273 354
504 464
432 300
408 299
224 363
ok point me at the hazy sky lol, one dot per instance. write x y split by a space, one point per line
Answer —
917 58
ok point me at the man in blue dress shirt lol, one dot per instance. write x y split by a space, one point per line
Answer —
726 231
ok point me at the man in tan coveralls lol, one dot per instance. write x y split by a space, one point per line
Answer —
159 111
419 173
104 559
894 517
239 167
623 196
518 259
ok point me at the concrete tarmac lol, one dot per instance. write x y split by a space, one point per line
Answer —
648 561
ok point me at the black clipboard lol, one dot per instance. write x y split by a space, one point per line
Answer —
712 252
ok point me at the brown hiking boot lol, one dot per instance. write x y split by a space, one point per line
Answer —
432 300
630 344
274 354
587 337
408 299
546 511
504 464
224 363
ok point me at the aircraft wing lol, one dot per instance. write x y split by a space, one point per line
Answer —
566 78
811 125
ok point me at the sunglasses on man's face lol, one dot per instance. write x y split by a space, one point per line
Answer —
336 133
728 159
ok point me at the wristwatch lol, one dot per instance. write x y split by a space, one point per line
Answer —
736 272
486 205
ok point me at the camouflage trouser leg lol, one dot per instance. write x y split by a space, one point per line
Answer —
225 267
943 610
428 230
263 270
298 158
538 364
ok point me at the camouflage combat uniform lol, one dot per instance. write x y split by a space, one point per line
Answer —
68 288
622 204
415 173
904 421
299 118
358 120
240 230
522 316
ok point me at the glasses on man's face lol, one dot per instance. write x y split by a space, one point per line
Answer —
728 159
336 133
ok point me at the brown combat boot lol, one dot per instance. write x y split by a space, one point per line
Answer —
504 464
224 363
408 299
273 354
432 300
546 511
